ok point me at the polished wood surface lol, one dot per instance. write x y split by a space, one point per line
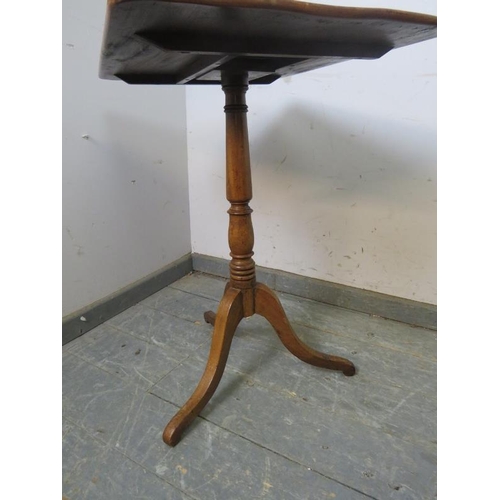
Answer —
229 314
268 305
243 296
194 41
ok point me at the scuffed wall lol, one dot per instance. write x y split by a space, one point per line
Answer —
125 185
344 170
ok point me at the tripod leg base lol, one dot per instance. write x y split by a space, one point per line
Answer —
229 314
268 305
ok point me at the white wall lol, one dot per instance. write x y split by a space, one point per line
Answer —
344 170
125 189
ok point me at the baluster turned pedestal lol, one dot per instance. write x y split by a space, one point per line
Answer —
243 296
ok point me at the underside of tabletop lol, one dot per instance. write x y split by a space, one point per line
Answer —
193 41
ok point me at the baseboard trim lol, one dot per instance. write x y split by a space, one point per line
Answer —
102 310
379 304
357 299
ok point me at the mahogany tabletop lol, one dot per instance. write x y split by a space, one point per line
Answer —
192 41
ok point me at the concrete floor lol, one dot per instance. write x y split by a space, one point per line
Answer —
276 428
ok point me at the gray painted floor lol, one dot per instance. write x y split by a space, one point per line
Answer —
276 427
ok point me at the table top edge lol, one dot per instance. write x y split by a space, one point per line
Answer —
306 8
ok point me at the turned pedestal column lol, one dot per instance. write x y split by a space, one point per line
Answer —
243 296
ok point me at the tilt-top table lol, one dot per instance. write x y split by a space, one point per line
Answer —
235 43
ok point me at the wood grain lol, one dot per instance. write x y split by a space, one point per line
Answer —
194 41
229 314
268 305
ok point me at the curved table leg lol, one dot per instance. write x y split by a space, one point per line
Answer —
229 314
210 317
268 305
